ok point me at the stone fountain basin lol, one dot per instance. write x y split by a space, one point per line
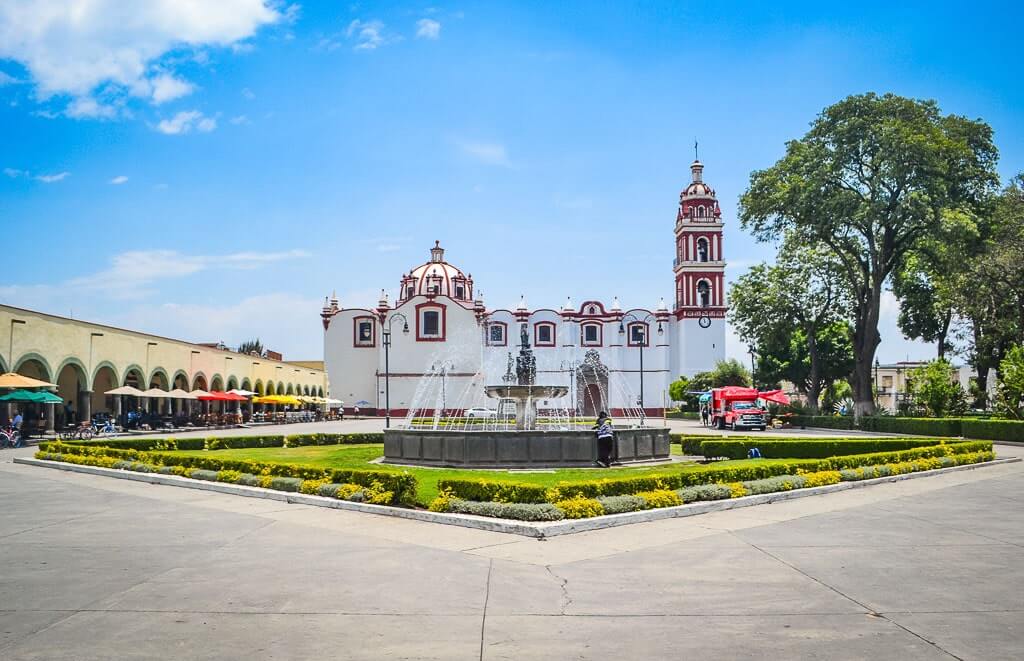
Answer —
520 449
535 392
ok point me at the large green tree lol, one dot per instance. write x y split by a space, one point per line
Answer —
794 314
872 177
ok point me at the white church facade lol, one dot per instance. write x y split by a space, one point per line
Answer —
607 355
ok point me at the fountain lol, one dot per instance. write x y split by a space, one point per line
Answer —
532 441
524 392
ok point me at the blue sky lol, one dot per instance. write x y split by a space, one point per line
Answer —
213 174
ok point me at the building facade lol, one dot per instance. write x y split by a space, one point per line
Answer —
608 355
86 360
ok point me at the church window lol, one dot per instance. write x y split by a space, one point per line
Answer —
496 334
410 292
591 335
702 249
365 332
460 292
638 335
544 334
430 322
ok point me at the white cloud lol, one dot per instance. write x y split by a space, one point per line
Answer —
75 47
427 28
7 79
86 107
167 88
239 120
132 272
489 153
14 174
185 121
118 180
52 178
368 35
248 93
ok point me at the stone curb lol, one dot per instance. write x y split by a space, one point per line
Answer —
527 529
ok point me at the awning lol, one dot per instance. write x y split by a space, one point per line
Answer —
13 380
218 396
126 390
40 397
776 396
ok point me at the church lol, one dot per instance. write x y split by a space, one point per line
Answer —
611 358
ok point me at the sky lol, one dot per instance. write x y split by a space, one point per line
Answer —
210 171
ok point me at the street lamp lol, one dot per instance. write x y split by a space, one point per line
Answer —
643 340
386 332
753 380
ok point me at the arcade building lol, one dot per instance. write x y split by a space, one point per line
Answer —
437 322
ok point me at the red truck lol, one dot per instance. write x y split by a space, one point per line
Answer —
736 407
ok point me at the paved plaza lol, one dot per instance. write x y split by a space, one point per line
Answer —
97 568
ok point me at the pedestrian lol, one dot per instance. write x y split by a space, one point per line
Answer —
605 439
16 424
69 414
704 414
355 412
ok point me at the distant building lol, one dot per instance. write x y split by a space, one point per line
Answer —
892 382
450 328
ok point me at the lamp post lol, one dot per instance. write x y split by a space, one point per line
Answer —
643 340
878 388
386 332
753 380
444 378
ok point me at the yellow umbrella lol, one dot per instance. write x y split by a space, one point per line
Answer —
12 380
277 399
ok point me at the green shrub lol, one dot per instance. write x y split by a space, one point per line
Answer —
620 504
810 448
285 483
659 498
774 484
202 474
140 467
823 421
689 442
682 415
704 492
249 480
502 492
300 440
921 426
238 442
579 507
517 511
996 430
231 477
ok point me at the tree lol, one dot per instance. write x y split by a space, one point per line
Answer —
1011 383
677 389
793 313
935 387
251 346
871 178
729 372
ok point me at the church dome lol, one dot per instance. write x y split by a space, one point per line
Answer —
697 187
437 278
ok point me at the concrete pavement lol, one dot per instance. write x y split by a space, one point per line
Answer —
94 568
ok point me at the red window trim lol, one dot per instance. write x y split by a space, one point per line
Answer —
583 335
629 334
504 334
419 319
355 332
536 334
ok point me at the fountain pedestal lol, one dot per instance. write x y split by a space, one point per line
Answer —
525 397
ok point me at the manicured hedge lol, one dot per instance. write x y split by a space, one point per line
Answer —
810 448
502 492
237 442
403 485
968 427
682 415
145 443
997 430
300 440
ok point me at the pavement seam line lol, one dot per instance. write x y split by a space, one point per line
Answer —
868 609
563 585
948 527
487 598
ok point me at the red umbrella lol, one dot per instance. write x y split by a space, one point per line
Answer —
220 396
776 396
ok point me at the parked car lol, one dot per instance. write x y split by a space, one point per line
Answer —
481 413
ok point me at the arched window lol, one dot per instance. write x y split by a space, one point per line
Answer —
591 335
704 293
700 211
702 249
544 334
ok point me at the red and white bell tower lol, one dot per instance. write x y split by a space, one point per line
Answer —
699 268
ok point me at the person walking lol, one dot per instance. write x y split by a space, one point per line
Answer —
704 414
605 439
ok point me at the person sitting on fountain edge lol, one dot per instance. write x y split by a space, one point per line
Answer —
605 437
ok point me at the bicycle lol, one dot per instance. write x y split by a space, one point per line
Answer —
83 432
11 438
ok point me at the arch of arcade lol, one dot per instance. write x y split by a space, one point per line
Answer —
86 360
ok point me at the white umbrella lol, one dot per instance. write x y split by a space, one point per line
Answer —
126 390
199 393
154 392
243 393
178 393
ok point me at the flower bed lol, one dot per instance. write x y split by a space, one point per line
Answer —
580 506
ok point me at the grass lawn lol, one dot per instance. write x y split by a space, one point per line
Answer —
359 456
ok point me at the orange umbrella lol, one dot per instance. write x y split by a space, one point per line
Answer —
12 380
